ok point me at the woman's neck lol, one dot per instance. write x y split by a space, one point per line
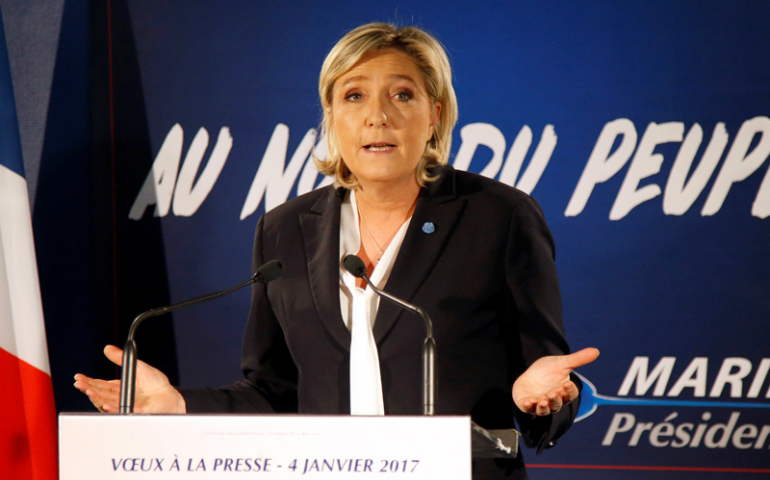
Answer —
382 211
386 203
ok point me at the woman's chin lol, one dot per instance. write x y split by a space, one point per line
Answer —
380 179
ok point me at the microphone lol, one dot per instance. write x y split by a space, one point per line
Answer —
264 274
356 267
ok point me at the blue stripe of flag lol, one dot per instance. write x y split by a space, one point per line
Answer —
10 145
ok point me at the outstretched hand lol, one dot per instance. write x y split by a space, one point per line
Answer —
154 393
545 387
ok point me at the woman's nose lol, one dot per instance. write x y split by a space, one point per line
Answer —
376 116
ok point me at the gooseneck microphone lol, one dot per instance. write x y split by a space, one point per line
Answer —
265 274
356 267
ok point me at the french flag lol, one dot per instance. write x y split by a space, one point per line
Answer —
28 448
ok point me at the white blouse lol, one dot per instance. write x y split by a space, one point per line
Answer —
359 310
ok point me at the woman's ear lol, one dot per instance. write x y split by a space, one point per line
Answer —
435 114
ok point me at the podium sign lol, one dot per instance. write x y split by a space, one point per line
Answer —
263 446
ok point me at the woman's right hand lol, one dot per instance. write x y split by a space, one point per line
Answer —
154 393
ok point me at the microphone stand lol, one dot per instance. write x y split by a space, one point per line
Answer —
428 350
485 443
268 272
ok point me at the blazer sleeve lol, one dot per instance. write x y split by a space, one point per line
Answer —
531 277
270 383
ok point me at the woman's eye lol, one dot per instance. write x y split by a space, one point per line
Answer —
354 97
404 96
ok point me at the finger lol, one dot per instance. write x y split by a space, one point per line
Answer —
555 401
114 354
583 357
98 385
105 403
527 405
569 392
94 392
80 378
95 399
100 397
543 408
107 389
82 385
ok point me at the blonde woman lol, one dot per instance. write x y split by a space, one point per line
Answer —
474 253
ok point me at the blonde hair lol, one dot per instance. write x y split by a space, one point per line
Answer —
431 60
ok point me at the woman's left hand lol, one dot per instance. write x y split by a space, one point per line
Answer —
545 386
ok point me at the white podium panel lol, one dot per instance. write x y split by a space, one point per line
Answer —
263 446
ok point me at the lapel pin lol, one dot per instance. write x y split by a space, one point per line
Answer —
428 227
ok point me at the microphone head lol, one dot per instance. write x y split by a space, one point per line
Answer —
355 266
269 271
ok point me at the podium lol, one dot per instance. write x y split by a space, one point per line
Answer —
274 446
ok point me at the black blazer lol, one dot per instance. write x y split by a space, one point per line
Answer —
486 276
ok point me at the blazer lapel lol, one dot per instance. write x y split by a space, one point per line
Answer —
321 236
420 251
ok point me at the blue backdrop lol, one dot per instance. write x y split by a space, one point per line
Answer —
647 119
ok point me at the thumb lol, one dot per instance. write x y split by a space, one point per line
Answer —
114 354
582 357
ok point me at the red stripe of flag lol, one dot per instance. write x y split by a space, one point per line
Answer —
28 443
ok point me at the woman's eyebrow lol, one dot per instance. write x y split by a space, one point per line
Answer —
396 76
353 79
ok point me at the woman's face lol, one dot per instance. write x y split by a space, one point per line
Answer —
383 117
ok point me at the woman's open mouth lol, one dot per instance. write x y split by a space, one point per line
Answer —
379 147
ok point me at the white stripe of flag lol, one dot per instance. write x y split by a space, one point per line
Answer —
28 449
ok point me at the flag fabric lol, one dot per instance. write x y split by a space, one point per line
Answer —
28 443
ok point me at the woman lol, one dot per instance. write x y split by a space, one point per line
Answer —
474 253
